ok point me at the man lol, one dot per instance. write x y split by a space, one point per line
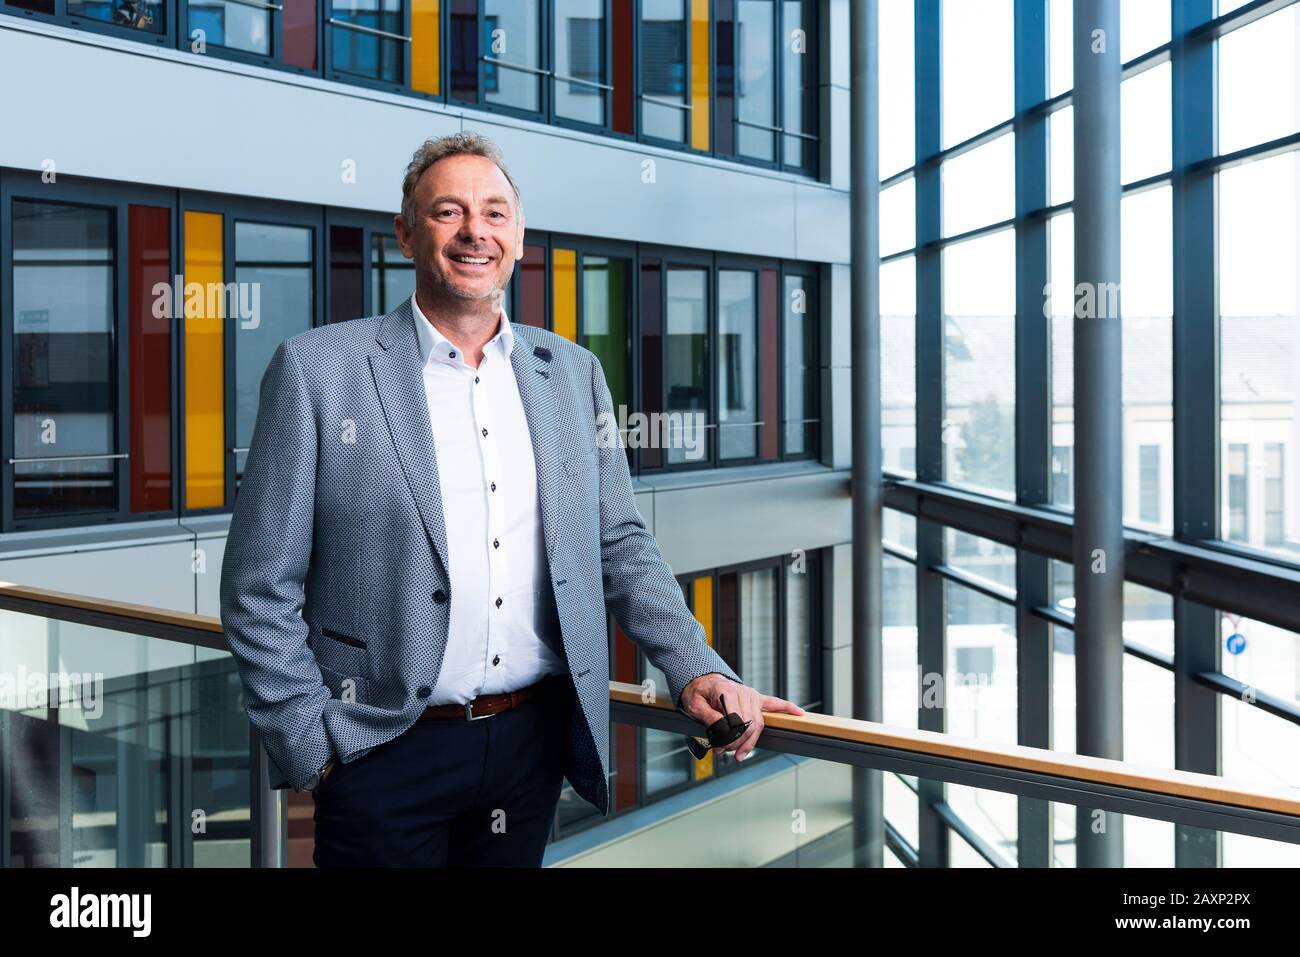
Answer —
426 535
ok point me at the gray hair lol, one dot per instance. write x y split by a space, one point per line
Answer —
463 143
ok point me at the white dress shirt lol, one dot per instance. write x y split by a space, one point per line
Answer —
502 607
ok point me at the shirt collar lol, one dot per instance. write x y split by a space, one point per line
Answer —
434 343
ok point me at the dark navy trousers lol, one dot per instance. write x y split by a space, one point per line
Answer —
451 793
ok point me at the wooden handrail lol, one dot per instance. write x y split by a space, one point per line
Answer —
1185 784
1120 774
180 619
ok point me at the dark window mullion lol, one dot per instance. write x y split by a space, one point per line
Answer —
1197 709
1033 391
121 326
930 592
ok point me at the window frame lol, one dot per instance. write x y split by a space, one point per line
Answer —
553 118
61 16
611 249
811 273
670 257
732 262
272 61
678 257
176 37
684 146
816 78
813 559
234 210
116 198
545 51
813 76
370 224
514 293
330 70
775 52
321 219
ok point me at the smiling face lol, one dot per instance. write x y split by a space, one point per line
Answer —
467 230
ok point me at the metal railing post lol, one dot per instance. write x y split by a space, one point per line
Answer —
266 809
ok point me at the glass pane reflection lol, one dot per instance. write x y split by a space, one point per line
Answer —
120 750
273 273
231 24
64 355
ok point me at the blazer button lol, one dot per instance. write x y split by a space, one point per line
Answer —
440 596
424 691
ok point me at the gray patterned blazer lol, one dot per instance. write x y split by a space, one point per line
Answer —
335 582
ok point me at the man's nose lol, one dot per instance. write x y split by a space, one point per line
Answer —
473 227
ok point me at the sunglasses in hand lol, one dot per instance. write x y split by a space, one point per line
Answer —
721 733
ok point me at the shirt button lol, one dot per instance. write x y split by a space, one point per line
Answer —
485 431
495 543
476 378
494 486
498 602
425 691
452 354
440 596
496 660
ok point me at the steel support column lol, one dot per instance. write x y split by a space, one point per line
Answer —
1098 413
868 462
1033 416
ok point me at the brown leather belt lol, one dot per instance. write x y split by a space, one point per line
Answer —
486 705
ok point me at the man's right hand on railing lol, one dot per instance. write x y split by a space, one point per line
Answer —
702 700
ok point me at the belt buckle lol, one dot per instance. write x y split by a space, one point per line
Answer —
471 716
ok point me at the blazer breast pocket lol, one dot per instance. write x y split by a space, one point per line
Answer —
582 481
582 466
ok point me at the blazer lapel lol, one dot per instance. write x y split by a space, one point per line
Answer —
533 374
400 381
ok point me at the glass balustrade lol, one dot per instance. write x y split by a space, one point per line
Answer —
124 742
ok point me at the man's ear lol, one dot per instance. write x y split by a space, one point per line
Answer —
403 235
519 240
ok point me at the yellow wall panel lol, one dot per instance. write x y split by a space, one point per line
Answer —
205 459
564 283
703 587
700 74
704 605
704 767
425 60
